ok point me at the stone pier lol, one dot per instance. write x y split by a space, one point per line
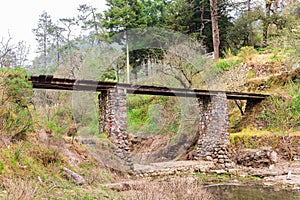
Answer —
112 110
214 130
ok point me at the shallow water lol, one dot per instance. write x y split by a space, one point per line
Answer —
237 192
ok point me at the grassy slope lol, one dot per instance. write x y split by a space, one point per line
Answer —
34 169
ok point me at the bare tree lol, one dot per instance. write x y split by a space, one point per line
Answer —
21 54
184 67
12 55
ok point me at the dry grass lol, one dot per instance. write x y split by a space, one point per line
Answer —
177 188
18 189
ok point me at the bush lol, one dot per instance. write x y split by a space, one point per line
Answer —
15 92
247 53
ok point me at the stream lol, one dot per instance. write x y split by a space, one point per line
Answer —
242 192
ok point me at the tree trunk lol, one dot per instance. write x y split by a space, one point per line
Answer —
266 23
45 50
215 27
250 24
57 48
127 58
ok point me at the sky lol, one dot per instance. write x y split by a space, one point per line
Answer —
19 17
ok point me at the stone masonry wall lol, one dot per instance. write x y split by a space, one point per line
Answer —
112 110
214 130
102 103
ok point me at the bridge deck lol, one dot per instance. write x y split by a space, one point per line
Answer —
49 82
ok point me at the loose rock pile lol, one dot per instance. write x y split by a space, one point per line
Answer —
257 158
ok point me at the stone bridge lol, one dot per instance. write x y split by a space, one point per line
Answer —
212 107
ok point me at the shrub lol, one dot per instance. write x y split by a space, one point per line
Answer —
15 92
247 53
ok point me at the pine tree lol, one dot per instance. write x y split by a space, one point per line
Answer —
57 40
42 35
90 21
121 16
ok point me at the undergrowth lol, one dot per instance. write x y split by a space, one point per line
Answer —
34 171
151 114
282 112
225 64
32 161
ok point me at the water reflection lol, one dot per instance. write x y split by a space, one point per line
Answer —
237 192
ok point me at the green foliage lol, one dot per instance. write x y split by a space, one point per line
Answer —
138 116
261 49
103 135
15 92
61 119
178 11
54 127
2 165
123 15
147 114
251 74
18 152
283 113
225 64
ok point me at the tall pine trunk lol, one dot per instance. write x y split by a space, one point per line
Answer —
266 23
215 27
250 24
127 57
